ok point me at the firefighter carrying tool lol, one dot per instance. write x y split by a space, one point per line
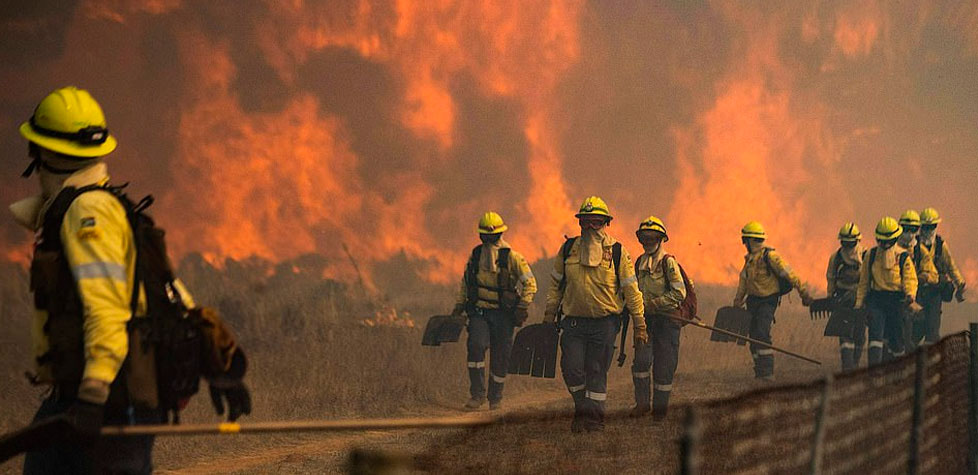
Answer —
763 280
592 291
842 278
496 291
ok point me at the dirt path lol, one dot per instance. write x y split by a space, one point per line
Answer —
527 446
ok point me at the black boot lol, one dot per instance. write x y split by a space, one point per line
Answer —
660 404
577 425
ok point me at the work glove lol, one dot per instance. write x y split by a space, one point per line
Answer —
235 393
459 312
641 336
520 316
959 295
86 420
806 300
915 307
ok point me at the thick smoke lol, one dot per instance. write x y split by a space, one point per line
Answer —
282 128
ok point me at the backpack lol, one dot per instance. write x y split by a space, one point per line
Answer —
784 285
505 289
164 363
688 307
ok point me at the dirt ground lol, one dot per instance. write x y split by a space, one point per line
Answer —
534 437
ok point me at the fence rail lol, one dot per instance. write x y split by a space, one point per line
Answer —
914 414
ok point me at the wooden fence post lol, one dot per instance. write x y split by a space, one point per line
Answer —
818 442
919 398
973 400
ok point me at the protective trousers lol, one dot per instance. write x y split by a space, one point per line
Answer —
762 317
661 355
851 347
489 330
109 455
887 326
927 326
587 346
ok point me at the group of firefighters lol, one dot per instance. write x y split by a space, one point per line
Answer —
87 291
900 283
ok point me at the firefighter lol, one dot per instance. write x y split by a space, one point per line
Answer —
950 279
910 222
842 278
593 281
763 280
663 290
887 289
80 337
497 289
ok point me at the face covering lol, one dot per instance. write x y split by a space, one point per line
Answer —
489 257
927 235
907 239
56 169
592 246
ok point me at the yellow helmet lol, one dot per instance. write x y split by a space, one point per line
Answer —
492 223
653 224
910 218
753 229
594 206
850 232
929 216
69 121
887 229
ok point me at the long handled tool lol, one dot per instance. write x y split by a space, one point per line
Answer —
756 342
57 429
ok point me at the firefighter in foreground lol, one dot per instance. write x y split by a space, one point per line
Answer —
592 273
82 278
842 279
663 290
887 289
764 279
950 280
497 289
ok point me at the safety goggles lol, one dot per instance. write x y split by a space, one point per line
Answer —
911 229
928 227
91 135
592 222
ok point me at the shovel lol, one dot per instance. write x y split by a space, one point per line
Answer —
734 320
844 321
442 329
535 351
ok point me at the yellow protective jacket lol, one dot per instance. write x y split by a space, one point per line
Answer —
593 292
98 246
886 274
520 275
843 271
923 260
661 282
758 280
945 265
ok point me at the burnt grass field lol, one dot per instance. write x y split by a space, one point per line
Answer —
322 349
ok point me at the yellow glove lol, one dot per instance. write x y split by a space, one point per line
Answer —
641 337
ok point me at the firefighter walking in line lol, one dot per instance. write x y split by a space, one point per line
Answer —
842 278
663 290
82 277
763 280
887 289
592 275
950 280
497 289
928 278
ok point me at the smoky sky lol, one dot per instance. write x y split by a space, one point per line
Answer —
870 108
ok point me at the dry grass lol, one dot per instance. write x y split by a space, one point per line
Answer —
312 356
